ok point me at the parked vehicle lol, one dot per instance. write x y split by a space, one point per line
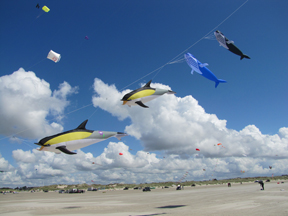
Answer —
146 189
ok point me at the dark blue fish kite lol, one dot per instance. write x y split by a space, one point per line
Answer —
226 43
201 69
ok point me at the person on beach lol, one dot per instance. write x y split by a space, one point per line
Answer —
262 184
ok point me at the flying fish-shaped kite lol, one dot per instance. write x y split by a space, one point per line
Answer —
200 68
227 44
143 95
78 138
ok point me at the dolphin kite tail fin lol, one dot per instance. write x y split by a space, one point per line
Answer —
219 81
244 56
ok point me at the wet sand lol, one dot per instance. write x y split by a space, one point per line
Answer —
245 199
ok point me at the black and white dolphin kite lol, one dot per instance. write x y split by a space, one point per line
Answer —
226 43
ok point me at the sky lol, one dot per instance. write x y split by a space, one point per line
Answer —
129 43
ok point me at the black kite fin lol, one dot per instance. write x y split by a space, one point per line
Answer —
83 125
244 56
65 150
148 84
141 104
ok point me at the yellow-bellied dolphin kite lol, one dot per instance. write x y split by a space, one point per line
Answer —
143 95
78 138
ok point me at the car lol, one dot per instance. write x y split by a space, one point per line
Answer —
256 181
268 180
61 191
193 185
126 188
166 187
136 188
94 189
146 189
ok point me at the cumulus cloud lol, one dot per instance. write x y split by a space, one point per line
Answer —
178 125
26 101
173 126
35 168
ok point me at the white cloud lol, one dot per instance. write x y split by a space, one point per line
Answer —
180 125
35 167
25 103
174 126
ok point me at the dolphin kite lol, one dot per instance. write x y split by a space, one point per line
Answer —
226 43
143 95
78 138
201 69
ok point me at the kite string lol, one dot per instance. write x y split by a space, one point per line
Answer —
55 118
173 60
160 68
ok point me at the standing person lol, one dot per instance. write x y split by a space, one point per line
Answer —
262 184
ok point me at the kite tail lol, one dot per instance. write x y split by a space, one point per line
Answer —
219 81
244 56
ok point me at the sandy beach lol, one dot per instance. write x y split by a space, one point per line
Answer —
240 199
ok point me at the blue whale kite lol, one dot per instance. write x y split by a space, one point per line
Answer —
200 68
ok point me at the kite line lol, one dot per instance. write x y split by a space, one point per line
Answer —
172 61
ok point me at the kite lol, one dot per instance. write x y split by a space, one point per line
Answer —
120 153
226 43
143 95
204 169
197 149
201 69
219 144
78 138
38 6
242 171
45 8
54 56
270 167
86 37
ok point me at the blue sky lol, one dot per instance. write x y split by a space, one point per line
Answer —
128 40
